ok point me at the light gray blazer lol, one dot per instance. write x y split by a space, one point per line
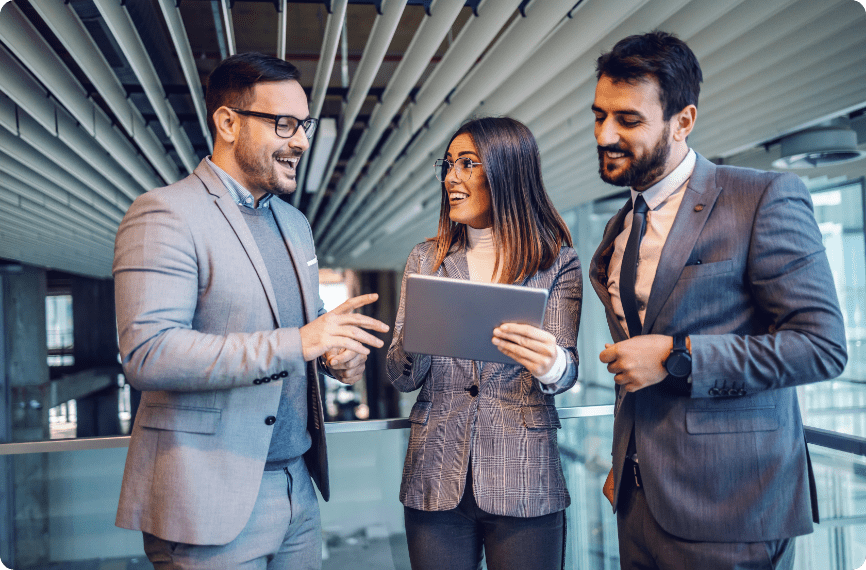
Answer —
508 429
743 272
199 335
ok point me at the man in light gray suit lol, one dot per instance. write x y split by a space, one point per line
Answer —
720 301
221 327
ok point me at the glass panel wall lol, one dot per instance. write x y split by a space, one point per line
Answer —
840 405
64 517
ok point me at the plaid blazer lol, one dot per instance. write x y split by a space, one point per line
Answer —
508 429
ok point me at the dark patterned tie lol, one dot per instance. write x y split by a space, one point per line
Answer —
628 271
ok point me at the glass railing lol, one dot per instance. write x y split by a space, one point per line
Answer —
65 497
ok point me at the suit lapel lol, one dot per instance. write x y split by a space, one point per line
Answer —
698 201
298 261
235 219
455 265
598 268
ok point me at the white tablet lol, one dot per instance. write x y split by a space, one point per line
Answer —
453 317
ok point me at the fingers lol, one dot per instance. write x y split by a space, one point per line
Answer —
346 359
360 321
535 339
608 354
356 302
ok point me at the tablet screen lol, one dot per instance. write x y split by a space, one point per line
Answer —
456 318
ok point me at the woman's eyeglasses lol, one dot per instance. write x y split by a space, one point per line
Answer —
463 168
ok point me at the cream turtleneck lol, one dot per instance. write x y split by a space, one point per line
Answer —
481 254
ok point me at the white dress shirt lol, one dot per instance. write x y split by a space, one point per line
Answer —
663 199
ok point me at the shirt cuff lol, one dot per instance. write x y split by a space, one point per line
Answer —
555 373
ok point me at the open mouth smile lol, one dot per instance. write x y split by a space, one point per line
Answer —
457 197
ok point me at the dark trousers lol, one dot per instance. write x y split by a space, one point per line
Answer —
458 539
644 545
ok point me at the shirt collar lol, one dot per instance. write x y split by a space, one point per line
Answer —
656 194
240 195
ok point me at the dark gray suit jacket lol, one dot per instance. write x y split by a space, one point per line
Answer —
743 272
508 429
200 336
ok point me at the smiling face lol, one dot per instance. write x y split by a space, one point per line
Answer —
468 200
634 140
263 161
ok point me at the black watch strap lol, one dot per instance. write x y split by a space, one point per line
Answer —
679 362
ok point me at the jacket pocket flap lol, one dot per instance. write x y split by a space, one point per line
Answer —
761 418
192 420
420 412
540 417
707 269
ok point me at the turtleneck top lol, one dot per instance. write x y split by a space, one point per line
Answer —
481 257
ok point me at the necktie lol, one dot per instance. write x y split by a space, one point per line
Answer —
628 272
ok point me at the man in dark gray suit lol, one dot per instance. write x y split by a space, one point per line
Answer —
720 301
222 328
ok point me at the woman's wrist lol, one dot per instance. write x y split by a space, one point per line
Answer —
557 370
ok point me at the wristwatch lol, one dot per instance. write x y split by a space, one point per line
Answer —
679 361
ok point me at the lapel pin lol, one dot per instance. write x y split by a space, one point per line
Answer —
699 207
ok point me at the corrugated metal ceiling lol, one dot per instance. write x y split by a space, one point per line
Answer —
100 100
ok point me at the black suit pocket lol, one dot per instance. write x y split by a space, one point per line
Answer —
707 269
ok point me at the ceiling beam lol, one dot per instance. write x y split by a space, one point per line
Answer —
321 81
474 37
377 43
68 28
430 34
174 21
119 22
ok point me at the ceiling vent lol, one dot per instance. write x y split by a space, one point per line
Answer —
819 146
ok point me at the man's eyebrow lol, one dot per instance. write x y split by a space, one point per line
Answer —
629 112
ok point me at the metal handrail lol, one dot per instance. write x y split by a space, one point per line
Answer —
815 436
330 427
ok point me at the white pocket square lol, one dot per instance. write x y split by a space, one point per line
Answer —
312 261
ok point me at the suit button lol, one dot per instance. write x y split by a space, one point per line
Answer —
257 381
714 391
275 376
283 374
473 391
266 379
741 392
270 420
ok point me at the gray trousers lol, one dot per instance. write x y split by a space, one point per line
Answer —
284 531
644 545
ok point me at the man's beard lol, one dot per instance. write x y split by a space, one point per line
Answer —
642 172
260 170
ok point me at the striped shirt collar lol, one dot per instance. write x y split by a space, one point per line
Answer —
240 195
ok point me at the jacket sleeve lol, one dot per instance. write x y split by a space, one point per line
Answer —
791 283
407 371
156 279
562 319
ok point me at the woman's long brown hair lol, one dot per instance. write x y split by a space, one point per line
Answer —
528 232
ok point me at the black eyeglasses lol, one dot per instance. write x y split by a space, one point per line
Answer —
463 168
284 125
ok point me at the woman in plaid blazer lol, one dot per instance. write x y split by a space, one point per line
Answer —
482 473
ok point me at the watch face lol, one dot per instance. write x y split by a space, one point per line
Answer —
679 365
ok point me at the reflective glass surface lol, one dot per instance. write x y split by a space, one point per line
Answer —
64 506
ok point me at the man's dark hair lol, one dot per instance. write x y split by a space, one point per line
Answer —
661 56
231 82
